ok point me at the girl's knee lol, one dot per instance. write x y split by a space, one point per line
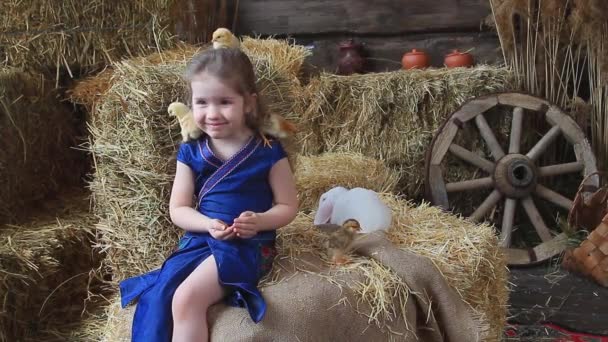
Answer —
189 302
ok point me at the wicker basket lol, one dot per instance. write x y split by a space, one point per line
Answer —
591 257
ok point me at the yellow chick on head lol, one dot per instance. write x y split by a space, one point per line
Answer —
223 38
186 121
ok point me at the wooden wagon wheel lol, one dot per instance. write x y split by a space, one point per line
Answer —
513 175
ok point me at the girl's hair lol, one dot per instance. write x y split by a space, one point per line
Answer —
233 67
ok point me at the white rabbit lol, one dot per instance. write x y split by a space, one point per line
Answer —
340 204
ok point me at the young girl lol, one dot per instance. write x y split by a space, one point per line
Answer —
244 192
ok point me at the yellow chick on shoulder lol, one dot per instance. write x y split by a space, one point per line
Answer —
223 38
186 121
278 127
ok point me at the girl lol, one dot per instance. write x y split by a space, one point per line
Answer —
244 192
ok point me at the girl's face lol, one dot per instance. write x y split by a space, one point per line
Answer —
218 109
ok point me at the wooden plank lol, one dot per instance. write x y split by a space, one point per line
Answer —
571 131
475 107
540 253
537 221
553 197
488 136
472 184
516 129
384 53
472 158
485 206
583 153
292 17
540 294
443 142
187 23
544 142
560 169
508 216
437 186
522 100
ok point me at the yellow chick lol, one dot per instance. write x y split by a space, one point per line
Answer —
223 38
186 121
278 127
340 239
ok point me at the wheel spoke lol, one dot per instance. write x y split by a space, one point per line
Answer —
553 197
486 205
473 184
472 158
488 136
543 143
560 169
541 229
516 125
508 217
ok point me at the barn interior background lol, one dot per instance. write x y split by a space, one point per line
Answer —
85 139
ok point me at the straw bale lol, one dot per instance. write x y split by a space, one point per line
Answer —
390 116
287 56
81 36
317 174
37 133
465 253
47 267
90 90
134 143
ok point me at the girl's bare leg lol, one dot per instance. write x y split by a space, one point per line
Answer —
192 299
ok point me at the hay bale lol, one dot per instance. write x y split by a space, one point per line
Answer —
390 116
37 135
286 56
89 91
317 174
46 270
465 253
81 36
134 144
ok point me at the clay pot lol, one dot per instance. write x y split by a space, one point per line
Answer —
458 59
350 60
415 60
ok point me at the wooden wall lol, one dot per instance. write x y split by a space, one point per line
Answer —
387 28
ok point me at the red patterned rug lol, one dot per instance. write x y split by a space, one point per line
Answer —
548 332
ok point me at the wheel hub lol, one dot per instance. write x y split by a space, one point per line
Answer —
515 175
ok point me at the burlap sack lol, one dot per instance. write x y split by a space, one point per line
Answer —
305 306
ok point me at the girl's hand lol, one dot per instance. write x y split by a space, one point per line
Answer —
219 230
246 225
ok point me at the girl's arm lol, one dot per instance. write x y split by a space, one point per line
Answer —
284 210
181 211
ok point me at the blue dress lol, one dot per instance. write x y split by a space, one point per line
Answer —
224 190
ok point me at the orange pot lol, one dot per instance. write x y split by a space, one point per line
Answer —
415 60
458 59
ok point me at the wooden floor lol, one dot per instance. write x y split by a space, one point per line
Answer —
544 294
